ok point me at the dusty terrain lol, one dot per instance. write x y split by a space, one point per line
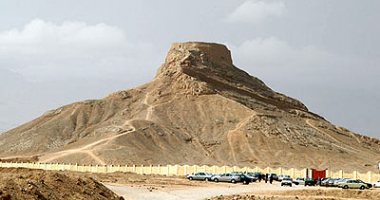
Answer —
38 184
20 184
139 187
306 194
199 109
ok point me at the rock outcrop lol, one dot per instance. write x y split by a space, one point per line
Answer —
199 109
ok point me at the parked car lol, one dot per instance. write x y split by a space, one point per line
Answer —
287 181
245 179
377 184
282 176
355 184
227 177
274 176
299 181
332 182
369 185
336 182
199 176
324 181
252 176
309 182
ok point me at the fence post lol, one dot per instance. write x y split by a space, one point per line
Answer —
176 170
341 174
369 176
185 169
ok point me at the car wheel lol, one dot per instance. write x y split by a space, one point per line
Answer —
206 179
296 183
290 185
233 181
345 187
190 178
216 180
245 182
282 185
362 187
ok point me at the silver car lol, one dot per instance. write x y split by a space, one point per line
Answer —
199 176
299 181
227 177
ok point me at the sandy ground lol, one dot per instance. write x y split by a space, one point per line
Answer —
145 192
32 184
235 191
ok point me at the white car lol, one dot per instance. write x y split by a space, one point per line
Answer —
282 176
376 184
287 181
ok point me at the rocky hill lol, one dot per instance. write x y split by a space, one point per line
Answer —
199 109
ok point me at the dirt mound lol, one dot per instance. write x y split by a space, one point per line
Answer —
38 184
199 109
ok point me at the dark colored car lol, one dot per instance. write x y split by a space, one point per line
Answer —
245 179
253 176
309 182
274 176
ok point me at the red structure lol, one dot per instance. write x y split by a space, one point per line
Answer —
315 174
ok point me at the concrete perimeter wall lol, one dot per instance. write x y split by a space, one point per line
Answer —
182 170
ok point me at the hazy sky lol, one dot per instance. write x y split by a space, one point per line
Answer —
324 52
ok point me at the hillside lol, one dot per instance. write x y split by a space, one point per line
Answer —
199 109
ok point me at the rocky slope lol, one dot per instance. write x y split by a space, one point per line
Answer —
199 109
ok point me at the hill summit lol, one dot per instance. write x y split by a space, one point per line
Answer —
199 109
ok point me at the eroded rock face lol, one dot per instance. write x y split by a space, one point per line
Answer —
199 109
211 66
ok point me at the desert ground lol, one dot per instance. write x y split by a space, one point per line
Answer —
140 187
38 184
226 191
